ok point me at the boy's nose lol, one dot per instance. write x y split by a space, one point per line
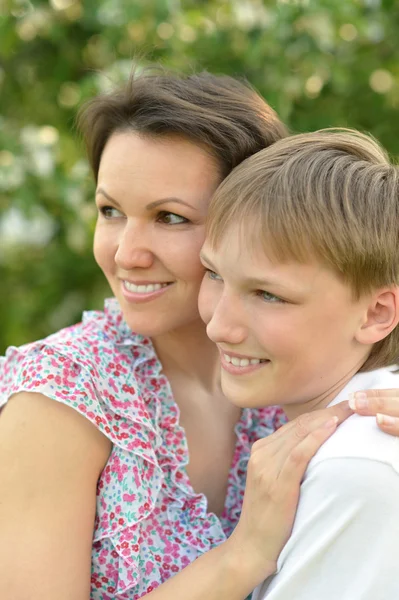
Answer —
226 324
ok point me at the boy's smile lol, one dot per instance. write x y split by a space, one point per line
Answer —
287 333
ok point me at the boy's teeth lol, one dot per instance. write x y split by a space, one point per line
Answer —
144 289
241 362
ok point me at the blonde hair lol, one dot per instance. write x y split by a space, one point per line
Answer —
331 195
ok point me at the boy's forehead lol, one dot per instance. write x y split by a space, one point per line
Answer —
242 241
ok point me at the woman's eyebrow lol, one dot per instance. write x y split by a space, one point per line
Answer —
165 200
101 191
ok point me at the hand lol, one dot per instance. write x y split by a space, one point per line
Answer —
275 471
384 404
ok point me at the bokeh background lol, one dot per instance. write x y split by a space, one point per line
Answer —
318 62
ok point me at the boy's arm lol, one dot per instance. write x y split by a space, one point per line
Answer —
345 541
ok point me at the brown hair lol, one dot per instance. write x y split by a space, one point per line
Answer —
331 195
225 115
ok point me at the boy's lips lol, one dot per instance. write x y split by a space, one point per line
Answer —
240 364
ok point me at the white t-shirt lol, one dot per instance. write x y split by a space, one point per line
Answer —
345 540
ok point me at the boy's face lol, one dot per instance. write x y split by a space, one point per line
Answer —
300 320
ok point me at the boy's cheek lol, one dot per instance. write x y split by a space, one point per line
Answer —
206 302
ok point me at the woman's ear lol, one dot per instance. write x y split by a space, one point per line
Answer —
382 316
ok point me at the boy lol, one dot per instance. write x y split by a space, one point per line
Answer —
302 298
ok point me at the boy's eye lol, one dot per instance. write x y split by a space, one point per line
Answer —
170 218
212 275
268 297
109 212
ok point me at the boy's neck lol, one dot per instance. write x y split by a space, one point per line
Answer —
321 400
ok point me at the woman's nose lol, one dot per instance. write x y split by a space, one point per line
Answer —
134 250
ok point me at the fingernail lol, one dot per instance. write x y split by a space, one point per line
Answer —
386 420
331 423
358 400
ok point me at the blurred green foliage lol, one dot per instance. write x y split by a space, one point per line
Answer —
318 62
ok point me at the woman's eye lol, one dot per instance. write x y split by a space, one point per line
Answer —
212 275
109 212
170 218
270 298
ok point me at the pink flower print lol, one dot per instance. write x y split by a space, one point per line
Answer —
148 567
113 385
136 476
129 497
185 561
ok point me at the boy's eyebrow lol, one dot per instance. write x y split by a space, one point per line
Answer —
206 259
251 280
266 283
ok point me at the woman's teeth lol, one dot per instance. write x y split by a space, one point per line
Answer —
143 289
242 362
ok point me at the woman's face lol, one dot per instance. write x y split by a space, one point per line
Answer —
152 198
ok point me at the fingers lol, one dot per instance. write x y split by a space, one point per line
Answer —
341 410
388 424
296 463
300 427
384 404
371 402
311 428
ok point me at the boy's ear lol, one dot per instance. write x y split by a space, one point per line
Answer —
381 318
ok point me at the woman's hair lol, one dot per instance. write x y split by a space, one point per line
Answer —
226 116
331 195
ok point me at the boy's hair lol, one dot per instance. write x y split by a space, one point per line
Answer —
331 195
226 116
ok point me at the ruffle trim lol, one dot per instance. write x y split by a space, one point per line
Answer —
194 528
253 425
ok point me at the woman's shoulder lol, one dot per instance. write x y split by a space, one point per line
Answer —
98 330
93 366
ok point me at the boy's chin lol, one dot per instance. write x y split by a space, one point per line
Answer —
243 399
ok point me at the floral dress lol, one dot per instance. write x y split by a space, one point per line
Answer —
150 523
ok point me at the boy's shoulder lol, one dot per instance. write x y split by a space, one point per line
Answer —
359 436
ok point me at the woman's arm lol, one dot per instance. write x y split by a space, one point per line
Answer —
50 461
384 404
275 471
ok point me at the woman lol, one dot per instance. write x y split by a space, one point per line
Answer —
150 399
